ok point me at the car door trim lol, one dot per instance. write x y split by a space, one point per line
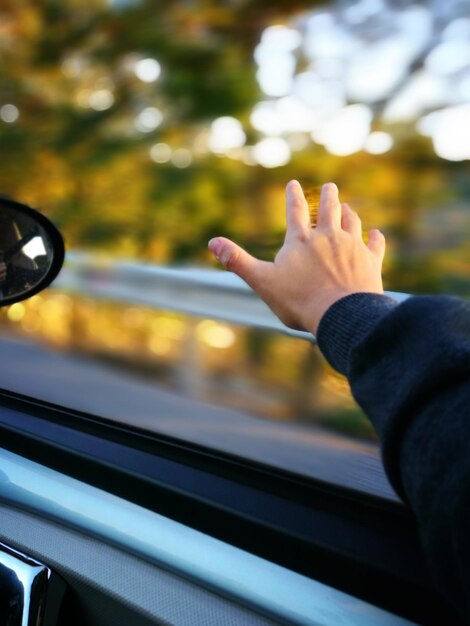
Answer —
275 590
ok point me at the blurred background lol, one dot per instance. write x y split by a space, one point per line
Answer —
143 128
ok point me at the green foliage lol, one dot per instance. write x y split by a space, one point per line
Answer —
90 169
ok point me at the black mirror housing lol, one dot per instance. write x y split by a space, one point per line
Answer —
31 251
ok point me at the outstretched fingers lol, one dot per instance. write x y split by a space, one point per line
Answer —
237 260
297 212
376 243
329 211
350 221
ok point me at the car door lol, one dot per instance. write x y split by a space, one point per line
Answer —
170 451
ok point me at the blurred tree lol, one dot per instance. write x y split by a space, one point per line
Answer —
69 71
105 110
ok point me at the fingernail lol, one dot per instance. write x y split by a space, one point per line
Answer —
215 245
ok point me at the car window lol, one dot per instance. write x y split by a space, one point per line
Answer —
143 131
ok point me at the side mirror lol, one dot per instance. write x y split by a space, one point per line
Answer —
31 251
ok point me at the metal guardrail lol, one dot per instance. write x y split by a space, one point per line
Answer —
202 292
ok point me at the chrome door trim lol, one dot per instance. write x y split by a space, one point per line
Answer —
30 594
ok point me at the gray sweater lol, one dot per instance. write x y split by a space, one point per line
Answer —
409 369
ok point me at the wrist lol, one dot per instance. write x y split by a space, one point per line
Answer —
323 303
347 322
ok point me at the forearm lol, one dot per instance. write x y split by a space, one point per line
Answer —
409 369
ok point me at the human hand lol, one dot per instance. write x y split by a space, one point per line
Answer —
315 266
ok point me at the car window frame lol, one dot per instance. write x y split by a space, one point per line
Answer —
358 543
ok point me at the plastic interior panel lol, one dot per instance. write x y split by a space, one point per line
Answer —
250 581
115 587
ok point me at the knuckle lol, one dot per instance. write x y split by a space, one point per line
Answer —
329 233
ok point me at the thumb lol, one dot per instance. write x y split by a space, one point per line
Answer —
376 243
237 260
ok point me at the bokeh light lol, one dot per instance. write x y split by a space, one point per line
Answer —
101 99
450 132
226 133
147 70
378 143
346 132
160 153
354 61
181 158
16 312
148 119
215 334
9 113
272 152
